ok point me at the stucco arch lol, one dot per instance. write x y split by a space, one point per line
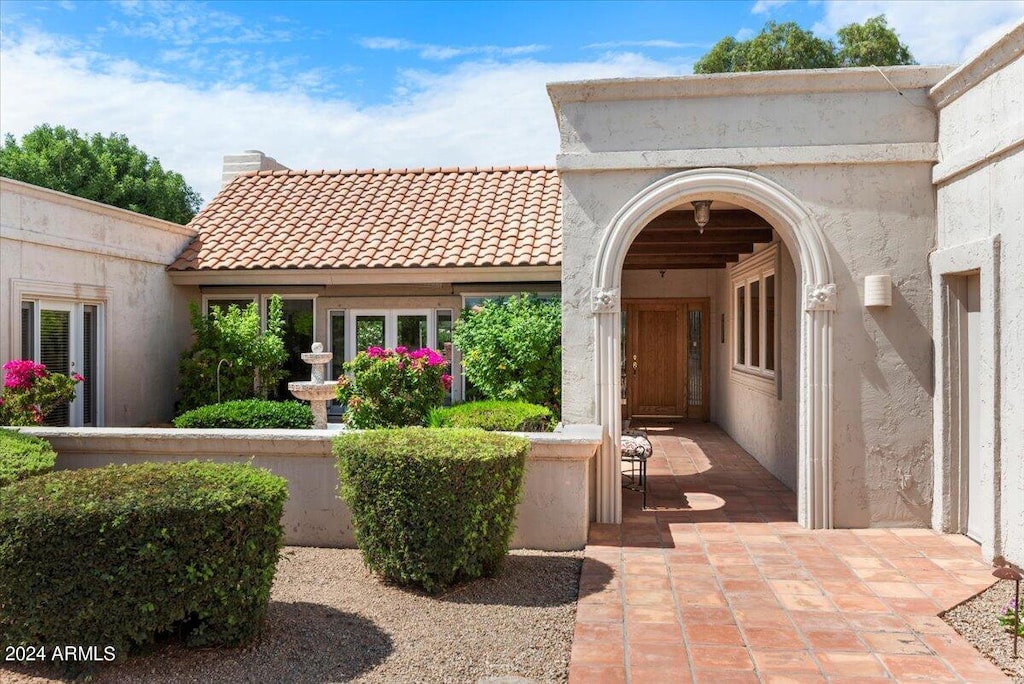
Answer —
805 240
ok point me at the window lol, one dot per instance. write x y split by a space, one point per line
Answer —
754 313
226 301
298 315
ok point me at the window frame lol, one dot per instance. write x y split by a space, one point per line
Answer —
756 269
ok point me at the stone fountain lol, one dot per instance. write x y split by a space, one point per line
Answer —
317 391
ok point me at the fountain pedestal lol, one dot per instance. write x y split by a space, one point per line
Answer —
317 391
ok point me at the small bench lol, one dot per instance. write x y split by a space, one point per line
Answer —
636 448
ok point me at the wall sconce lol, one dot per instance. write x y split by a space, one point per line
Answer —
878 290
701 213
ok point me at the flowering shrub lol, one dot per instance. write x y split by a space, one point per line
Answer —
393 387
1009 619
30 392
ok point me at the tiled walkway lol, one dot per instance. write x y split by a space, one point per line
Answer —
716 582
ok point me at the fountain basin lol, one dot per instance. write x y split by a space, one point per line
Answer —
313 391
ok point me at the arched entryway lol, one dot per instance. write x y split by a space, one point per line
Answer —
803 238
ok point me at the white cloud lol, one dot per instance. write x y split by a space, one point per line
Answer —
445 52
767 6
936 32
655 43
478 113
745 33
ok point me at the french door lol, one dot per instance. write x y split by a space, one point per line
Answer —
66 338
665 364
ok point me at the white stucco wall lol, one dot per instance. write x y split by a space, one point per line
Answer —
980 202
58 247
858 156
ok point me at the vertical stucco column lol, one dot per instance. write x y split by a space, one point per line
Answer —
814 509
606 308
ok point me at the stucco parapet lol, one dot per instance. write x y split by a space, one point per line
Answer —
572 443
889 153
746 84
29 190
361 276
973 72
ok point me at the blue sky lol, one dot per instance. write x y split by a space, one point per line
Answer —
356 84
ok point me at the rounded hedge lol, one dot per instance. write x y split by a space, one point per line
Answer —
248 413
115 556
23 456
499 416
432 507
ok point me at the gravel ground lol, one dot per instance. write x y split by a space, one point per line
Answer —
975 620
329 620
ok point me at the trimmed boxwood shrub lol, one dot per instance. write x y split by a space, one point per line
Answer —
432 507
248 413
501 416
115 556
22 456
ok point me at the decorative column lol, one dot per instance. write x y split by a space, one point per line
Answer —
816 406
606 307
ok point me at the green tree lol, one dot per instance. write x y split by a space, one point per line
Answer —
106 169
872 43
787 46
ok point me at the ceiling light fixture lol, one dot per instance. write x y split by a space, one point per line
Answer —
701 213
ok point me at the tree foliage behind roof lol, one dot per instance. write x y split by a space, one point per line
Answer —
107 169
787 46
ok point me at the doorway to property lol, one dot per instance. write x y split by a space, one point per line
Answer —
665 359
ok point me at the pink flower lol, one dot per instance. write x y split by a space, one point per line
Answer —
401 350
376 352
78 377
434 359
21 374
446 380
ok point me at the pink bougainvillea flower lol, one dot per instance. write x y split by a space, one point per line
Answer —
376 352
447 381
78 377
434 359
401 350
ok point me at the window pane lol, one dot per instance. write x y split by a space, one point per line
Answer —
444 333
369 332
226 303
337 343
89 365
769 322
412 331
755 323
55 354
741 323
28 330
298 338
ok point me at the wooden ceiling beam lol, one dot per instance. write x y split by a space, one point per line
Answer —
684 248
642 259
674 267
676 219
718 236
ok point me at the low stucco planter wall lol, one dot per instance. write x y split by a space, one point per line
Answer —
553 515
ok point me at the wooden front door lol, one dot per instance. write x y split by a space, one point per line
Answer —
665 362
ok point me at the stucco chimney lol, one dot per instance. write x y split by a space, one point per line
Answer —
250 160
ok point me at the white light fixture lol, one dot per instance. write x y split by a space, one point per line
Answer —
878 290
701 213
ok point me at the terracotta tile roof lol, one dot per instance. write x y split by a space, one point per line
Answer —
502 216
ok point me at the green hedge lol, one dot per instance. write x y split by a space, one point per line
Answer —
501 416
22 456
115 556
432 507
248 413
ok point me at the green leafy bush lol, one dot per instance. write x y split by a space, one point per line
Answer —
23 456
250 359
115 556
250 413
393 387
432 507
501 416
512 350
30 392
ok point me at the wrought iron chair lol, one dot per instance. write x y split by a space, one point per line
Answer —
636 448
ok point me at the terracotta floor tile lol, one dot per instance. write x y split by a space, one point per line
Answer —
833 640
650 597
804 602
661 655
907 667
721 635
597 631
721 676
792 678
723 657
784 661
860 604
850 664
598 652
650 614
761 638
659 675
599 612
668 632
582 673
895 642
